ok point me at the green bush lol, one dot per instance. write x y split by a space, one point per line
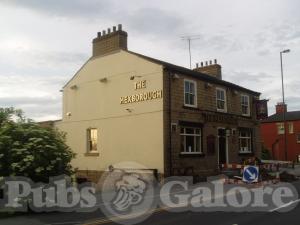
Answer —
27 149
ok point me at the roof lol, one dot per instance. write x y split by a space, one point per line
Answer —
195 74
289 116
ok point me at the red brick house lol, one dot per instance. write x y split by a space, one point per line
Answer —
273 134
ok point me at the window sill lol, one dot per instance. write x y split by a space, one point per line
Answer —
246 153
186 154
190 107
92 154
246 115
222 110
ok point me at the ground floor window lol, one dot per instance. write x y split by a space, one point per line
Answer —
245 140
92 139
190 140
298 138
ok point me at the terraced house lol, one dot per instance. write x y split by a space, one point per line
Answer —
125 106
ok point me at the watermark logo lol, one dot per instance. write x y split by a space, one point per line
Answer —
130 191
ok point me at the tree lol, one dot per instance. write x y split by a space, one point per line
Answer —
27 149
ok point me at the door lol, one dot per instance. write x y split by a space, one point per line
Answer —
222 146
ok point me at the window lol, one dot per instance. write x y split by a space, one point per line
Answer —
245 105
245 141
280 128
221 100
298 138
190 93
190 140
291 128
92 139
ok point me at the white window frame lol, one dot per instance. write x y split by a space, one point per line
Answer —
89 149
225 100
249 138
244 105
185 151
280 128
195 94
291 127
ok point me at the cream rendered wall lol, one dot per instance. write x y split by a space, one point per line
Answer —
122 136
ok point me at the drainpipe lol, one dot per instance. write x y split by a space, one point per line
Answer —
169 122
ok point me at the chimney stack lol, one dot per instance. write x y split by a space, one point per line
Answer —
210 68
112 40
280 108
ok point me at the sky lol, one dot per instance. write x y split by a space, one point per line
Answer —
43 43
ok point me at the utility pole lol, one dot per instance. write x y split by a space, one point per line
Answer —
189 39
284 107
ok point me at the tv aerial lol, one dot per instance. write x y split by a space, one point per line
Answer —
190 38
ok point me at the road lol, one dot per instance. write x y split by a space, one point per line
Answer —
162 217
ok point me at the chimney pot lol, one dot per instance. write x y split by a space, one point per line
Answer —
207 67
197 65
115 40
280 108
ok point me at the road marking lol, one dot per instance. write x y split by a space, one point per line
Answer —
285 205
116 218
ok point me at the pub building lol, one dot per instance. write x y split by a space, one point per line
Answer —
124 106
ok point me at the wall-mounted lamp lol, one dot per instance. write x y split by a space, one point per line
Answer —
103 80
235 92
208 85
175 76
74 87
68 114
133 77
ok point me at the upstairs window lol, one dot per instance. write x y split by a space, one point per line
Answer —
221 100
280 128
298 138
245 140
245 105
92 139
190 93
190 140
291 128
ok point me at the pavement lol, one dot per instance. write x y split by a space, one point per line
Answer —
162 217
295 171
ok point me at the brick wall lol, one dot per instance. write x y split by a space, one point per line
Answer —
109 42
206 103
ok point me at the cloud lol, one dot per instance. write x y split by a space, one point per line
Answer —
245 77
37 96
40 62
153 22
63 8
46 42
